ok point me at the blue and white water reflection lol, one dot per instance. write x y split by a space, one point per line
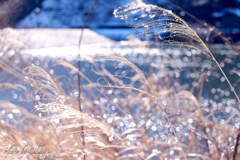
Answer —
183 80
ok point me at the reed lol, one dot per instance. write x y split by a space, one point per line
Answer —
127 112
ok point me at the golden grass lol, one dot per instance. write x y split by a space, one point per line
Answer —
126 112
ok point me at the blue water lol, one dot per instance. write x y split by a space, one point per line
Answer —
183 62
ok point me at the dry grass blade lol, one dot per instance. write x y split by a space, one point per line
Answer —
166 26
158 22
40 79
188 95
19 87
109 55
68 118
20 127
